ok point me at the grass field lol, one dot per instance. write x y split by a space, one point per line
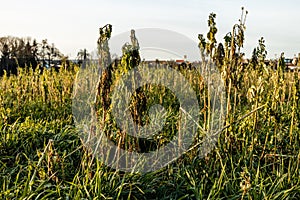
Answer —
256 157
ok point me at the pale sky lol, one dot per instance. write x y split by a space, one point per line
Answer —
73 24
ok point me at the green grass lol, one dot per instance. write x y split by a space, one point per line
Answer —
256 157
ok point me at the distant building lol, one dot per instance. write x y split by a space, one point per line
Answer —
180 61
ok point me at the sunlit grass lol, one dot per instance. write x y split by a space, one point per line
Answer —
42 156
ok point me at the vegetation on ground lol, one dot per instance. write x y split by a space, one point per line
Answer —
256 157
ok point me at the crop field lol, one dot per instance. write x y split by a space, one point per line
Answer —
256 156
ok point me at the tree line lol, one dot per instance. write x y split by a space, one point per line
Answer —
25 53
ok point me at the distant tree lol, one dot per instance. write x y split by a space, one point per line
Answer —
34 54
82 55
4 59
19 52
